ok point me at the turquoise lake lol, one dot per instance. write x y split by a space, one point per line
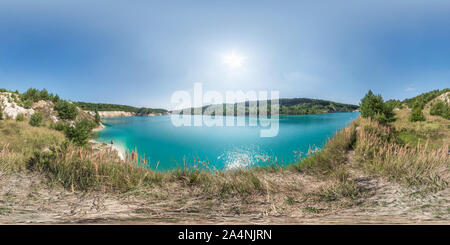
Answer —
222 147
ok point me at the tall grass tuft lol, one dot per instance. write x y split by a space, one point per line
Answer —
82 168
10 160
86 169
333 155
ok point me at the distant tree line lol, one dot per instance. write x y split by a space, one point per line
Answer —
78 133
30 96
115 107
300 106
297 106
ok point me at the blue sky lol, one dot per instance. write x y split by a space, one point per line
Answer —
140 52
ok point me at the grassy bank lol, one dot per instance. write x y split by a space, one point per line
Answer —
86 168
347 172
378 152
19 141
339 177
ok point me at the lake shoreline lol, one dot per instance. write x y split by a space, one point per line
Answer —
169 114
216 146
121 150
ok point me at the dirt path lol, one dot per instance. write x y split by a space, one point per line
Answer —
25 198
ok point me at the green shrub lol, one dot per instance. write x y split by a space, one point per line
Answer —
27 104
440 108
35 95
80 133
416 113
374 107
393 104
56 99
1 115
20 117
66 110
97 118
36 119
113 107
59 126
381 118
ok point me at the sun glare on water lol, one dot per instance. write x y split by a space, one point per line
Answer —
233 60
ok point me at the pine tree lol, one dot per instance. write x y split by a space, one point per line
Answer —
416 113
97 118
374 107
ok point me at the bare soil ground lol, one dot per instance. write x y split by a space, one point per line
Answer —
26 198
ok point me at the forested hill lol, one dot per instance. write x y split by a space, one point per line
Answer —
115 107
424 98
312 106
65 108
298 106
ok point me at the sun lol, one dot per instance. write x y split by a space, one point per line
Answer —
233 60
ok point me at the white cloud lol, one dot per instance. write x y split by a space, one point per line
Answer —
410 89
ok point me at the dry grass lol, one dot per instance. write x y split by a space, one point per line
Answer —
413 153
19 141
331 165
435 131
323 184
333 155
327 173
85 169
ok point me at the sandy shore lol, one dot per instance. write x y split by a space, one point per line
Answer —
120 149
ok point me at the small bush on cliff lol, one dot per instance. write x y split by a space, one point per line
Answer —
20 117
66 110
1 114
27 104
59 126
36 119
